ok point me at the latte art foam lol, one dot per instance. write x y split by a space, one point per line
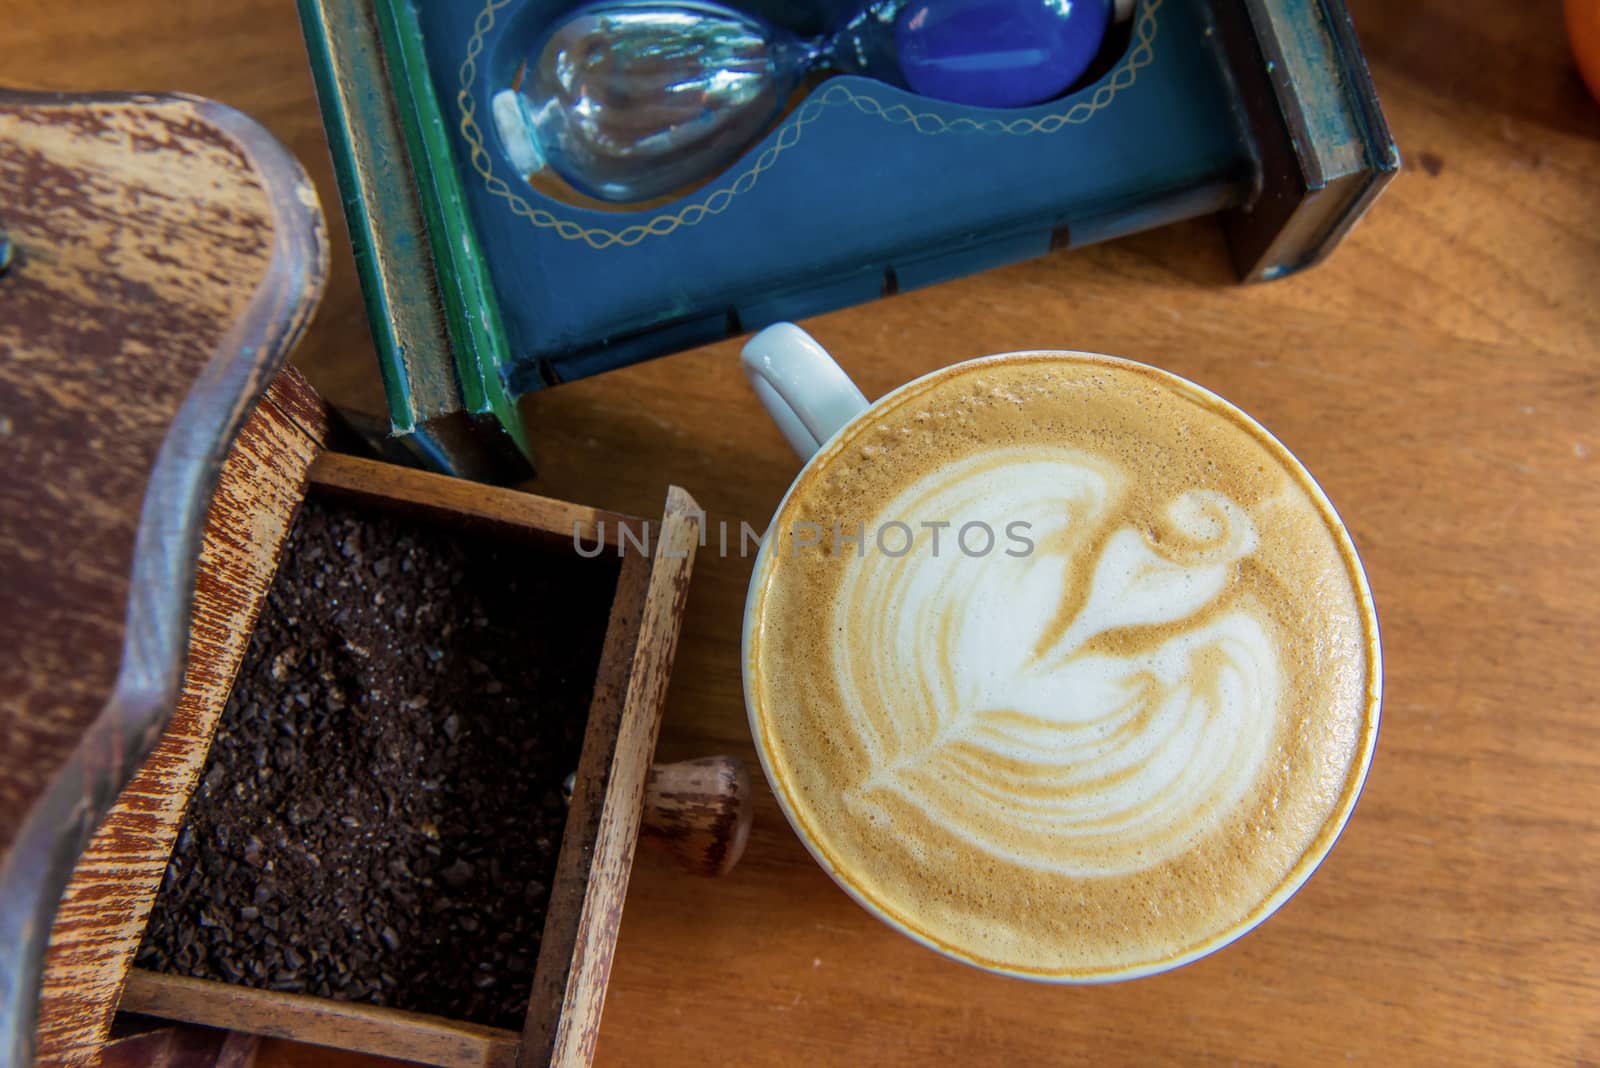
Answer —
1095 756
1108 761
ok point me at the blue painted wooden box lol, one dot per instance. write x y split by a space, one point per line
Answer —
1259 110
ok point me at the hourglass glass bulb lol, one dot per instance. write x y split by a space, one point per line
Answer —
997 53
633 99
628 101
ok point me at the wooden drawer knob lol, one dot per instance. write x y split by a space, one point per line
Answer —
698 812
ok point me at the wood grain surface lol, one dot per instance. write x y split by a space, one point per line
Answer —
1440 374
111 895
103 913
698 813
168 253
597 847
181 1046
432 1039
553 972
463 502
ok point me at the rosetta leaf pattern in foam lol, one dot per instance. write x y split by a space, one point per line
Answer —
993 695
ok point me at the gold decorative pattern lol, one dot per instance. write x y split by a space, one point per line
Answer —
834 94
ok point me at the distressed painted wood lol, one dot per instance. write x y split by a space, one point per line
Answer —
107 903
167 254
698 813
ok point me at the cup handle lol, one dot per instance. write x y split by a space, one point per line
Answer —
807 394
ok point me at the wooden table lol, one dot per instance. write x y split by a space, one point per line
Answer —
1440 375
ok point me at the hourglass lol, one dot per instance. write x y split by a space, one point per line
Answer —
627 100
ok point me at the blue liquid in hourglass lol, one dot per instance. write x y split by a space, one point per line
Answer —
627 101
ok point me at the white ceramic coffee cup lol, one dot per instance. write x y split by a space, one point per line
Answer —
812 401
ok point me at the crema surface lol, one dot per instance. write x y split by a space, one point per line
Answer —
1064 665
